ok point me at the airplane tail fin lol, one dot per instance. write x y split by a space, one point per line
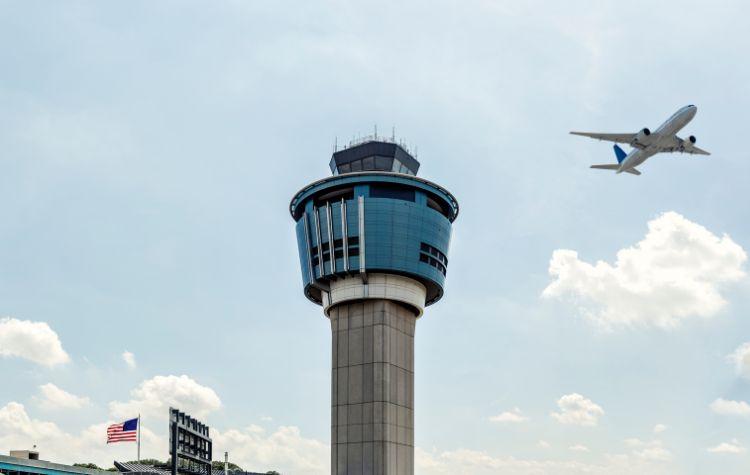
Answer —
620 154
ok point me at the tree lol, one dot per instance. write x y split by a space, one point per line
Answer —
87 465
218 465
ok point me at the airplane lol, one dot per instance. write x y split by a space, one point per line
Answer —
647 144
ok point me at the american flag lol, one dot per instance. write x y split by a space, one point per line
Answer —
123 432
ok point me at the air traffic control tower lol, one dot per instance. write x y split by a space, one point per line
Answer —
373 243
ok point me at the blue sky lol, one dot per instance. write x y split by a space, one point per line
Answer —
148 152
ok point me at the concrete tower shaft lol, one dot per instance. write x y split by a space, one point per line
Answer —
373 243
372 396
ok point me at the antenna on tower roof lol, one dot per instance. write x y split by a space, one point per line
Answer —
393 134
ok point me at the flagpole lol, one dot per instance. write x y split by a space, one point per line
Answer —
139 438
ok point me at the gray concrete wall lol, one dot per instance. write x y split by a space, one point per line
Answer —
372 413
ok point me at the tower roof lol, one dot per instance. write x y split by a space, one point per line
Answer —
374 155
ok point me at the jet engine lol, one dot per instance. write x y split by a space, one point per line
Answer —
686 142
642 135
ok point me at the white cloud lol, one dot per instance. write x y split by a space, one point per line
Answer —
732 447
741 359
726 407
634 442
34 341
18 429
577 410
513 416
651 451
253 448
129 359
578 448
465 462
659 428
673 273
544 444
473 462
13 419
53 397
284 450
154 396
655 453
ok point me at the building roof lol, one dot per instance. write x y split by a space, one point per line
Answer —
45 468
140 468
132 467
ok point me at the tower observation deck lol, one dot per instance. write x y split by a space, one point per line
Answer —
373 243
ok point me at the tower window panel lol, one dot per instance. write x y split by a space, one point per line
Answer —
383 163
433 204
429 254
335 196
392 192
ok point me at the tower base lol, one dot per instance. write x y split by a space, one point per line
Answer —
372 414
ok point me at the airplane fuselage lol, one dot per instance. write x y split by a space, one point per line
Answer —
660 140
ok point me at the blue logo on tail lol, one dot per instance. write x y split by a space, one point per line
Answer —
620 154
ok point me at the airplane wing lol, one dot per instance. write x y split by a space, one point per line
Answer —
618 138
688 147
697 151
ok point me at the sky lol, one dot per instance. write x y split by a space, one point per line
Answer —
593 323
